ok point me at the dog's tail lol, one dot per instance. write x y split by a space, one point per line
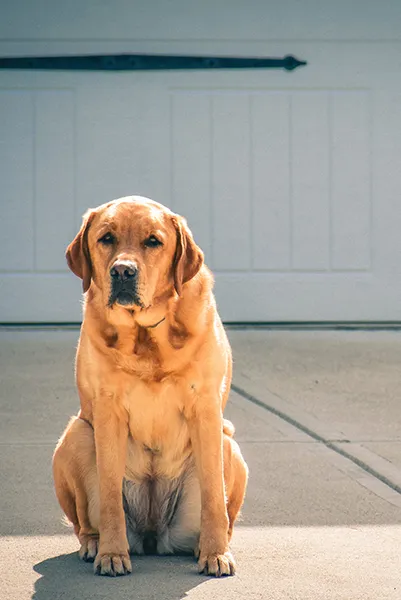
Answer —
66 522
228 428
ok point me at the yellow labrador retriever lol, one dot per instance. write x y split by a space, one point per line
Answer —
149 464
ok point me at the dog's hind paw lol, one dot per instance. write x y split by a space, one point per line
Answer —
89 548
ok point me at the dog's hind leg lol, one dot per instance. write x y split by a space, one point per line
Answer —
235 478
75 478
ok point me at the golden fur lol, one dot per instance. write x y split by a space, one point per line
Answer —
153 378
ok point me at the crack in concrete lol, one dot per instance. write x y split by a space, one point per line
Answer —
332 445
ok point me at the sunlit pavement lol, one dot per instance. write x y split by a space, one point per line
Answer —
319 421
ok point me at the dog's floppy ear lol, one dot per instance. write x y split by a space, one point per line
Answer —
188 257
77 253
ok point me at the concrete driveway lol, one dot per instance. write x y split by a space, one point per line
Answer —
319 421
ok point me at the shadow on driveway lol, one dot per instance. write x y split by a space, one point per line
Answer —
158 578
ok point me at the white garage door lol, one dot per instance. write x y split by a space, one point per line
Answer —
291 182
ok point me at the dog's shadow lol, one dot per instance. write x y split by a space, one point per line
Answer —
152 578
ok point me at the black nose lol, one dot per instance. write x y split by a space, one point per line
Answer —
123 270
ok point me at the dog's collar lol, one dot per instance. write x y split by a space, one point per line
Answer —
156 324
150 326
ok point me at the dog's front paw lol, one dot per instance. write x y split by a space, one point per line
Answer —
112 564
217 564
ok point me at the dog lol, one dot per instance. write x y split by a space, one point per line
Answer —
148 465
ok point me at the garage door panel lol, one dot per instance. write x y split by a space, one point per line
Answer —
54 147
290 181
123 143
108 154
154 142
206 20
270 135
350 180
17 180
231 181
310 196
386 187
191 163
317 297
48 298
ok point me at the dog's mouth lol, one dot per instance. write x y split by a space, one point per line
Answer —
124 294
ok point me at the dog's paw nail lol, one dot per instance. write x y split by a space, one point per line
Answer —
112 565
217 565
88 550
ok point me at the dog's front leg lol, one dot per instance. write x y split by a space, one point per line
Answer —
206 431
111 433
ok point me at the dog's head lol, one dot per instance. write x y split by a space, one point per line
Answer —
135 251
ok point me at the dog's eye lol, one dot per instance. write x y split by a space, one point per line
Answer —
152 242
107 239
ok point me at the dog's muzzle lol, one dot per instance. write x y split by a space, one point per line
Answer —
124 283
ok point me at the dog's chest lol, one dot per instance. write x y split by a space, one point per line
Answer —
159 436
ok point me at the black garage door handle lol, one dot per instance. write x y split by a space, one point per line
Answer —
146 62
